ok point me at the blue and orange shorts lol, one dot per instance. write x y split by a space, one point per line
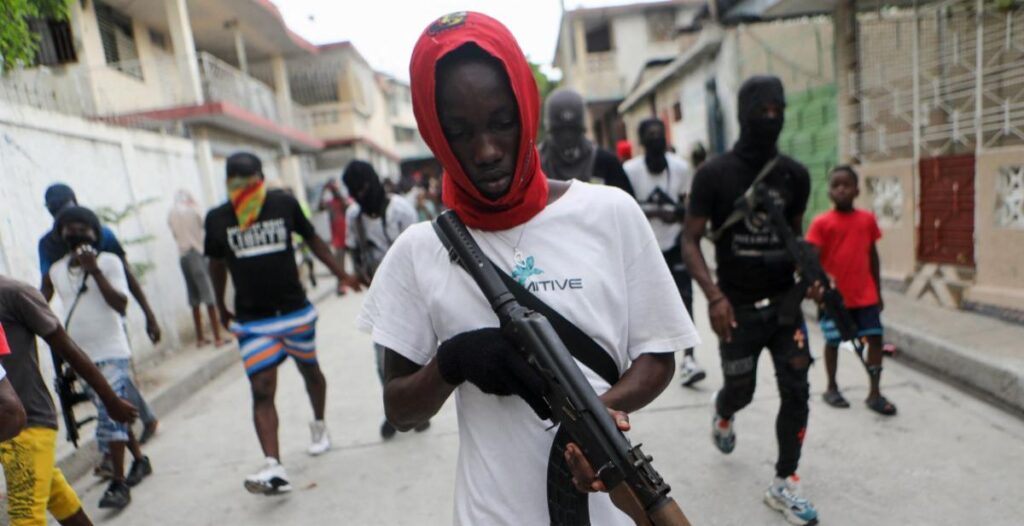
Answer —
868 320
267 342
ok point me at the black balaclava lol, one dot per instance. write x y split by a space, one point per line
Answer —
758 134
654 148
78 214
364 186
566 152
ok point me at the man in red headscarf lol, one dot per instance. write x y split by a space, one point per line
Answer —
585 250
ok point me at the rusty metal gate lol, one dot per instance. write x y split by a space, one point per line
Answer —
946 230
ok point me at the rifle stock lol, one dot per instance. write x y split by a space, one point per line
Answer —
637 487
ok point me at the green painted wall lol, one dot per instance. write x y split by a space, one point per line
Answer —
811 137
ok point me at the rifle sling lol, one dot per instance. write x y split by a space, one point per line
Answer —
737 214
580 345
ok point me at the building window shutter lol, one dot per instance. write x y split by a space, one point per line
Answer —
118 40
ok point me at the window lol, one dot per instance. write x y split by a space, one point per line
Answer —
661 24
677 112
1010 197
56 45
599 39
118 40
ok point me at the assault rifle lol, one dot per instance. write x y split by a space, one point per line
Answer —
65 378
622 467
806 259
64 384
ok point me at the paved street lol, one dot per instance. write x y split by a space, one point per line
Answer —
946 459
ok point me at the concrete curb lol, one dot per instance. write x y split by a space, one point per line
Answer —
953 364
959 366
80 462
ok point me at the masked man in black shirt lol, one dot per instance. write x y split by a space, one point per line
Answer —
566 153
251 235
744 303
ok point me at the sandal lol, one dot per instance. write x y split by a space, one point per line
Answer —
835 399
881 406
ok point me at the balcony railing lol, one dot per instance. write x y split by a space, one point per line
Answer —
222 82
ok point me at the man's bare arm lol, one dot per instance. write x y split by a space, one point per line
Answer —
693 231
412 393
323 253
219 277
645 379
152 327
67 349
12 413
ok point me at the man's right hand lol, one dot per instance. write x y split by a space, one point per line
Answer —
121 410
723 320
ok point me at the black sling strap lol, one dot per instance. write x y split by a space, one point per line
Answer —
581 346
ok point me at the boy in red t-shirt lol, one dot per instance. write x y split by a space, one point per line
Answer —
845 238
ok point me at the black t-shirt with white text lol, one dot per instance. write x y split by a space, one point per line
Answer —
261 258
744 274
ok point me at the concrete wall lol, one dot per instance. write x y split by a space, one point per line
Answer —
108 167
633 48
998 251
897 248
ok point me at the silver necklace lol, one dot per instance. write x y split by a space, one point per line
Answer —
517 255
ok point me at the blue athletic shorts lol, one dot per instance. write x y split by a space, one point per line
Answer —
868 320
117 372
267 342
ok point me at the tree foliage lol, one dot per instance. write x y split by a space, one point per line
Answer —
18 43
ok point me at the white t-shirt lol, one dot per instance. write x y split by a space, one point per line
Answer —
675 182
96 327
589 255
3 373
399 215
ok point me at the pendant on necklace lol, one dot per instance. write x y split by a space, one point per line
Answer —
518 259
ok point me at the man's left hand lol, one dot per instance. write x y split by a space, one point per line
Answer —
583 475
152 328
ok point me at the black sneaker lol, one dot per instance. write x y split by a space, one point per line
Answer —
141 468
387 430
117 496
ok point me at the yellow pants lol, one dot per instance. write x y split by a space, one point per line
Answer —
34 483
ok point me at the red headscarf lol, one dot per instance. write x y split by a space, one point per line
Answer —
528 192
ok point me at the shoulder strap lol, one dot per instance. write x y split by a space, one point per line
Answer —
580 344
737 213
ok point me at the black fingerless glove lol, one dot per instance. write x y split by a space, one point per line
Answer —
486 359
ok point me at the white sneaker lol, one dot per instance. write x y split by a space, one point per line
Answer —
690 372
320 440
271 480
784 496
